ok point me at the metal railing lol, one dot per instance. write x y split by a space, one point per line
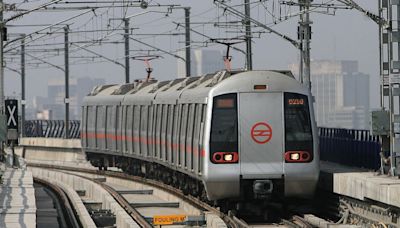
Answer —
357 148
51 128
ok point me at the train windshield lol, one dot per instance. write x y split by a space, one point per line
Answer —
298 133
224 124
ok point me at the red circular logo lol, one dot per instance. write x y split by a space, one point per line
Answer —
261 133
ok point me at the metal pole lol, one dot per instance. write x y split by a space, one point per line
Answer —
249 60
187 41
382 85
126 36
301 67
66 52
23 102
2 25
305 38
2 102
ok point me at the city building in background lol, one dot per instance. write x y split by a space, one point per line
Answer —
53 106
341 94
203 62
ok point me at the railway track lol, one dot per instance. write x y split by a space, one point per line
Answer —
140 218
123 196
53 206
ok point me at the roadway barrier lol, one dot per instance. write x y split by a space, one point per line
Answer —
357 148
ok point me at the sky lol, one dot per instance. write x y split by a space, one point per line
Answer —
346 35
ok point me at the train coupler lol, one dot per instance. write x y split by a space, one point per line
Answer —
262 188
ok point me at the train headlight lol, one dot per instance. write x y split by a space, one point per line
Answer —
228 157
294 156
225 157
298 156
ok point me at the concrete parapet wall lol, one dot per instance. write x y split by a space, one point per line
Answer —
360 184
51 142
94 192
42 150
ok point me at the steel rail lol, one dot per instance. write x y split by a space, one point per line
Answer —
69 210
136 216
122 202
303 223
231 221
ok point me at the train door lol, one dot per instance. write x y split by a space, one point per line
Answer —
261 135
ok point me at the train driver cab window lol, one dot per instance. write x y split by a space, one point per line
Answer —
298 130
224 130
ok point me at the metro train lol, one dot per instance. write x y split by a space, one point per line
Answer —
236 135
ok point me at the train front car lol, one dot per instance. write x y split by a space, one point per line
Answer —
261 139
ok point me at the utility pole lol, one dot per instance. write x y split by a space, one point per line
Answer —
66 52
249 58
126 36
304 36
2 102
187 41
2 25
23 102
390 80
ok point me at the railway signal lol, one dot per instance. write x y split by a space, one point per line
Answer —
11 106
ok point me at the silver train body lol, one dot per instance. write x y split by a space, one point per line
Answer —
238 135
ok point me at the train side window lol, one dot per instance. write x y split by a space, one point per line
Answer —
83 126
106 125
117 128
143 131
124 128
154 130
159 134
100 127
178 141
169 133
136 120
158 130
87 122
183 134
224 125
175 146
196 137
150 131
201 137
114 127
164 154
189 137
155 124
111 128
139 135
87 125
94 122
129 127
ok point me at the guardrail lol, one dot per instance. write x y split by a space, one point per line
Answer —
51 129
356 148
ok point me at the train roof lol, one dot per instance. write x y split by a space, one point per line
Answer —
183 90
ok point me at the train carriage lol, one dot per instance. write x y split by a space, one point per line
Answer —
228 135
